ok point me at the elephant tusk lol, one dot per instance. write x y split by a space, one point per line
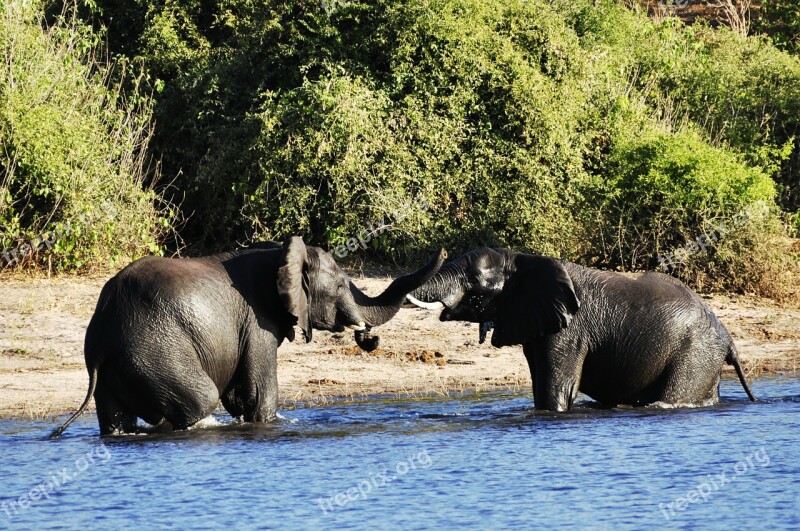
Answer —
358 328
427 305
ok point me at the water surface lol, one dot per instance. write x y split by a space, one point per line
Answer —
481 461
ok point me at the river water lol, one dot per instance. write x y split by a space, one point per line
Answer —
481 461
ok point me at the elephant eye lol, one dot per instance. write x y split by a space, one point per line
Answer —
341 294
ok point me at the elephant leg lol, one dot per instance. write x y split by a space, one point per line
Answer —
556 379
232 404
253 396
693 374
190 403
554 393
684 384
112 415
172 386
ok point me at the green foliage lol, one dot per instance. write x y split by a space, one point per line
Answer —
579 129
746 94
316 125
660 191
573 128
473 129
741 93
780 19
72 150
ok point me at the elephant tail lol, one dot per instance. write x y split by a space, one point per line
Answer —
733 359
92 385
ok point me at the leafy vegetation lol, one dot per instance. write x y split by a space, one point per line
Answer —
573 128
72 150
780 19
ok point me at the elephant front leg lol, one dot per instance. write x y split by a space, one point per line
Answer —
555 394
253 397
556 381
253 400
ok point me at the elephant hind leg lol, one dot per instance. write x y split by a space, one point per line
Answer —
689 382
112 415
249 404
186 402
166 381
253 400
233 404
695 393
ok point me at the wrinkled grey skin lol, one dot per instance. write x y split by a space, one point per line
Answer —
171 337
618 339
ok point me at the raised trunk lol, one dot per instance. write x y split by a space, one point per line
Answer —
378 310
439 288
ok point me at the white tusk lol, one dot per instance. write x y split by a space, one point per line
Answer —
358 328
427 305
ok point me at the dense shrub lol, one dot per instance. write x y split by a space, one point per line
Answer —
660 192
740 92
746 94
72 155
574 128
459 113
780 19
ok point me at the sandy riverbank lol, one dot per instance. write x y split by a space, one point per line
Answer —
42 373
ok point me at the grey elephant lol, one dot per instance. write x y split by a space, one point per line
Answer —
171 337
618 339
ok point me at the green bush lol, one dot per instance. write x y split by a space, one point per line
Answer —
660 191
473 128
780 19
746 94
573 128
73 161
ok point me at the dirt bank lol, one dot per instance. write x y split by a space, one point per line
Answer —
42 324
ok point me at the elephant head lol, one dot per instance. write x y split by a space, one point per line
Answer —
318 294
525 296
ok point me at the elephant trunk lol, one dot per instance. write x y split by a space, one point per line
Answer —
377 310
367 341
435 291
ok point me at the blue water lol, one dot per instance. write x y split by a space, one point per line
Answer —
483 461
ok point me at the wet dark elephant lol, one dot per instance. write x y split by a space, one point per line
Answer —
617 338
171 337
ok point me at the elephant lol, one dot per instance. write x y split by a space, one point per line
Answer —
171 337
622 340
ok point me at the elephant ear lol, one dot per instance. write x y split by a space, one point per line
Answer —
293 286
538 299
